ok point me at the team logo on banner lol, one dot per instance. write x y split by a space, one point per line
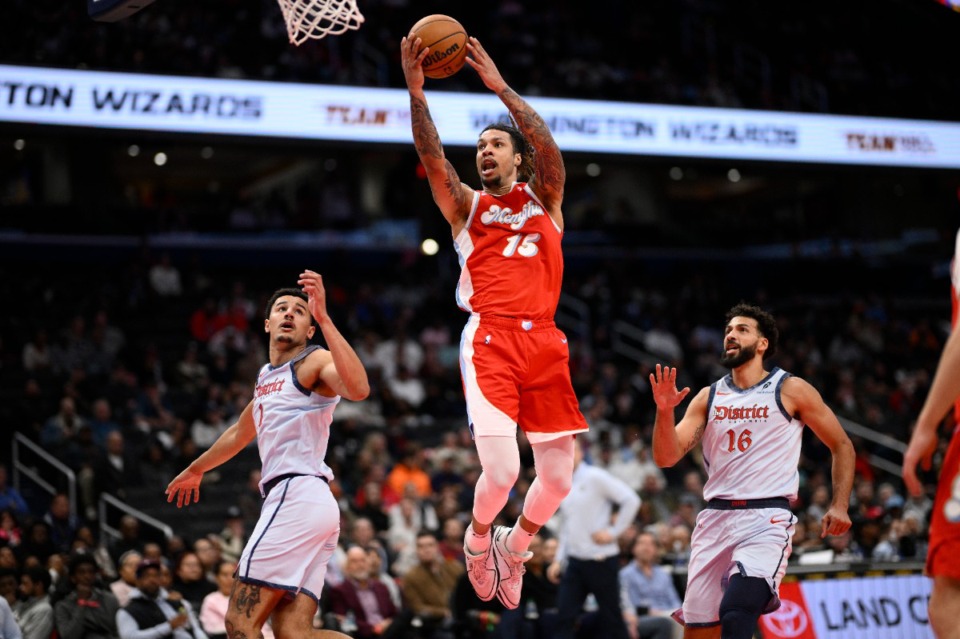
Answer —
791 620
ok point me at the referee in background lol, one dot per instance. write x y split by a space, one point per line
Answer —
588 556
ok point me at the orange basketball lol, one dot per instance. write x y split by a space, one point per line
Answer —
448 45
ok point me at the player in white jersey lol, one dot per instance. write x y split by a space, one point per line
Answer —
282 568
750 423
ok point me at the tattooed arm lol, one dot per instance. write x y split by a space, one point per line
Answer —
670 442
549 173
452 196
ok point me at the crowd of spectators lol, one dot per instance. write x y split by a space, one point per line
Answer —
837 58
126 374
125 370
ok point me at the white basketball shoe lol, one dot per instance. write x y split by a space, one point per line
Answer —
510 568
481 571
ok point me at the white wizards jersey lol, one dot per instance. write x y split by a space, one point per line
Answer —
293 423
751 446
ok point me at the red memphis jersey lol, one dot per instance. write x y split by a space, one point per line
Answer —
955 305
510 257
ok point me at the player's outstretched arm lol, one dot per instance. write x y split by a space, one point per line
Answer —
671 442
804 402
185 487
943 392
549 172
452 196
344 372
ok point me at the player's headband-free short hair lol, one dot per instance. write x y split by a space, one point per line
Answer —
766 324
282 292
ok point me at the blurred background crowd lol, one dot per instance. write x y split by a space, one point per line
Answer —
134 293
753 54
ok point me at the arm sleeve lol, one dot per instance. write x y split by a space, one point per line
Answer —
625 497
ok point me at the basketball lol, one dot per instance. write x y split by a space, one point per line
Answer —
447 40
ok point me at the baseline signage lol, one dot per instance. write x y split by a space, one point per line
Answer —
886 607
64 97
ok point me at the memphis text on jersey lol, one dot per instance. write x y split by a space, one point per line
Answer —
497 215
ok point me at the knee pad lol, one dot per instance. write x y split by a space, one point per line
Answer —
743 602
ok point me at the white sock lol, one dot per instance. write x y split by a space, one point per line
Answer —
477 544
518 539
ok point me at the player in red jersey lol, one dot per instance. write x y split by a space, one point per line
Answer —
514 361
942 563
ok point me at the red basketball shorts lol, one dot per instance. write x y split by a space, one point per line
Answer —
945 522
517 372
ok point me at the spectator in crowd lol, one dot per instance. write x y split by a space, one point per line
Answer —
127 567
190 579
34 613
165 277
474 618
101 421
191 374
209 553
537 617
409 470
37 354
129 538
154 610
647 592
372 507
213 610
38 542
8 559
8 586
8 625
428 586
62 428
10 498
207 428
87 612
451 544
233 536
362 596
634 469
116 470
588 558
63 524
407 518
87 543
446 476
10 533
378 570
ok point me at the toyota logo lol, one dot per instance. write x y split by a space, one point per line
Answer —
790 620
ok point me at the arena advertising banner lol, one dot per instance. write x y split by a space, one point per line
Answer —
884 607
317 112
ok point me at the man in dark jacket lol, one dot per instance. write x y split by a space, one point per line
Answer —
153 613
87 612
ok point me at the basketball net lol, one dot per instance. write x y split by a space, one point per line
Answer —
313 19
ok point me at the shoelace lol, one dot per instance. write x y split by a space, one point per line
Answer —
479 570
517 569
